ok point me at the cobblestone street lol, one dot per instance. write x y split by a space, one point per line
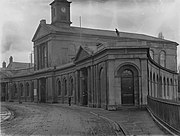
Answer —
61 119
46 119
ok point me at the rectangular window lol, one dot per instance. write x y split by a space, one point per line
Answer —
42 56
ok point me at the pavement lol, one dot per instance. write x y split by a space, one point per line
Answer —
124 121
131 121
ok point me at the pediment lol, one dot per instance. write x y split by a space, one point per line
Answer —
81 55
41 31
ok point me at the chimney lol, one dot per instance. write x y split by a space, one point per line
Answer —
11 59
4 64
43 21
160 35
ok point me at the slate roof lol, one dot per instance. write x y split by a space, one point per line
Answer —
99 32
18 65
5 73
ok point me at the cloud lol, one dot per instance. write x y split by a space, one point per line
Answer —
20 18
10 36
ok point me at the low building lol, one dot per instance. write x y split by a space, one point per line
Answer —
96 68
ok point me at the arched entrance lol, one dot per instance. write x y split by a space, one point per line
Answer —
129 81
84 87
43 90
102 89
127 87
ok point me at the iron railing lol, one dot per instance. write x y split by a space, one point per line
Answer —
167 112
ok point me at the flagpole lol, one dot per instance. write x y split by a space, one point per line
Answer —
80 30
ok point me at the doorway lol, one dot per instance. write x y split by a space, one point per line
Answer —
127 87
43 90
84 87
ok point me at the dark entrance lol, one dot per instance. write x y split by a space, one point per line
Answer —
43 90
127 87
3 91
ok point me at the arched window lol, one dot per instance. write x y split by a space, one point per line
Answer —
15 89
151 82
171 82
157 86
164 80
160 86
65 87
162 58
71 86
127 73
154 84
27 88
152 54
167 86
21 90
59 87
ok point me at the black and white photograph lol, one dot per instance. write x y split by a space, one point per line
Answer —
89 67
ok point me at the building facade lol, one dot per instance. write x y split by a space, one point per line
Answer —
96 68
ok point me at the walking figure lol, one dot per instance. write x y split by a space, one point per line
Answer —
69 100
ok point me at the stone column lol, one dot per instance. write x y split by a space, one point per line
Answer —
89 86
106 88
75 87
31 90
25 91
35 58
95 89
54 94
81 87
68 86
6 92
19 91
92 86
78 87
10 91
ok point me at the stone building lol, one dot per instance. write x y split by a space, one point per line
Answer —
96 68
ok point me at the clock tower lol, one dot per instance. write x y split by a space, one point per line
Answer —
60 13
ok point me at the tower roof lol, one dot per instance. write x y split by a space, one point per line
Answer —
59 1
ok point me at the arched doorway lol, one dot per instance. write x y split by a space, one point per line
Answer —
102 88
83 86
129 81
127 87
43 90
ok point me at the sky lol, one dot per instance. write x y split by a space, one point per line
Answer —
20 19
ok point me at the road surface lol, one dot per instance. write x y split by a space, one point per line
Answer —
47 119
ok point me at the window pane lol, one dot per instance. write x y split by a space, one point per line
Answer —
127 73
152 54
162 58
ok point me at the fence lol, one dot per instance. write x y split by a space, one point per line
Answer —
167 112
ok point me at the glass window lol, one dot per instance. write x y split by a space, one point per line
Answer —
59 87
27 86
65 87
168 87
127 73
21 89
162 58
15 89
152 54
164 87
71 91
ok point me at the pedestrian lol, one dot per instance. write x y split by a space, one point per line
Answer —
69 100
